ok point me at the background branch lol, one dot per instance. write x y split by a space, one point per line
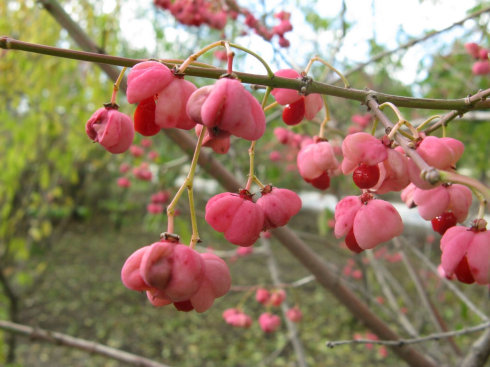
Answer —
77 343
402 342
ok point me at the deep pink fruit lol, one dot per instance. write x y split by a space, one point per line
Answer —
278 205
443 222
365 176
236 216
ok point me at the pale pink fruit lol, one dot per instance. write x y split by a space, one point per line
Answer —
283 27
313 160
393 173
136 150
123 182
170 110
285 96
187 274
483 54
481 67
157 264
161 197
196 101
124 167
237 318
130 272
369 221
143 172
294 314
262 296
244 251
376 222
345 212
153 155
110 128
313 105
466 253
157 298
284 42
220 144
440 153
434 202
154 208
283 135
216 282
362 120
278 205
362 148
173 269
473 49
407 195
274 156
277 297
269 322
146 79
237 216
227 106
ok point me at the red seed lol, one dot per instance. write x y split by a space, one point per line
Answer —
443 222
365 176
294 113
144 118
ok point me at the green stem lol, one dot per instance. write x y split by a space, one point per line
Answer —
251 174
317 58
424 124
270 74
323 125
117 84
187 185
195 239
251 150
196 55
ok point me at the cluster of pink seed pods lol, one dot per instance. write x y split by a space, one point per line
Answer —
482 65
242 220
172 273
268 321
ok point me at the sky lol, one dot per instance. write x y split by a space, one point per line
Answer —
385 18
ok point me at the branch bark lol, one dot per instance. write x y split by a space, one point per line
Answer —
461 104
77 343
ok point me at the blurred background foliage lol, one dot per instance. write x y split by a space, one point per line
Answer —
65 226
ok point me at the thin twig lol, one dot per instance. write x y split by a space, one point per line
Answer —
434 315
402 342
402 319
77 343
293 330
444 120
